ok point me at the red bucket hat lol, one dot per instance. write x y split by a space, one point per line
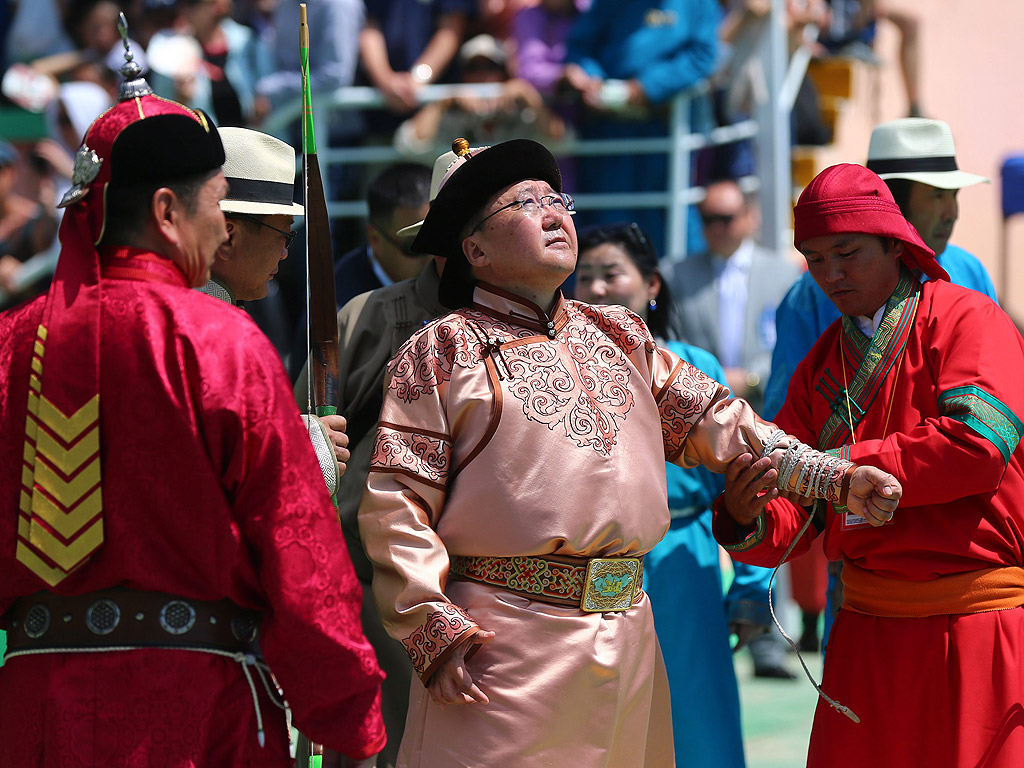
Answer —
850 198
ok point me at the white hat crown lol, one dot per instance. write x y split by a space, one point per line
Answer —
260 170
917 149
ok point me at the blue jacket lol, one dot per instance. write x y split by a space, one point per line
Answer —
695 490
668 45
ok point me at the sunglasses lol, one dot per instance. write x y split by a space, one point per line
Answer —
289 236
717 218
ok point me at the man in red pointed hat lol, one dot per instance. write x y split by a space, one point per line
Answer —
166 539
921 378
518 479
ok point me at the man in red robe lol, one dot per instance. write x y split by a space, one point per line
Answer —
923 380
166 539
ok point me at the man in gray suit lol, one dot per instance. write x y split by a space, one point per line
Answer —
726 297
725 302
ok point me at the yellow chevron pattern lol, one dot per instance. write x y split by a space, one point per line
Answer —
61 500
68 460
67 523
67 428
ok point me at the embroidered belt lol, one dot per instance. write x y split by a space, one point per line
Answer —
116 618
988 589
595 585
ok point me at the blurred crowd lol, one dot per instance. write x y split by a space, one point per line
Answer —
561 69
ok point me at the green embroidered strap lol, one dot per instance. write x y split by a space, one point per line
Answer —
874 358
752 540
842 452
985 414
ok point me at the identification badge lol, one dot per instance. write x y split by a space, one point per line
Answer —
851 520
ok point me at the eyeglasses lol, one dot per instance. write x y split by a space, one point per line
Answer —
404 244
289 236
562 203
717 218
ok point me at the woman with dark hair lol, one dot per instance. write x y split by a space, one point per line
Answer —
618 265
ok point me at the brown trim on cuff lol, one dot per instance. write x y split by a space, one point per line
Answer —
443 656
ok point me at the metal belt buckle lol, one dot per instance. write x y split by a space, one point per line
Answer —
611 584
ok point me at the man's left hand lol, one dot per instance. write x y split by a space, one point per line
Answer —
335 426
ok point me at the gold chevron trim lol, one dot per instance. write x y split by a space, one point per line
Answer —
26 502
37 366
67 460
67 556
38 566
27 478
67 523
68 493
30 453
41 332
68 427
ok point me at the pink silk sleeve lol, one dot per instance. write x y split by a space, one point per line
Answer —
405 493
702 425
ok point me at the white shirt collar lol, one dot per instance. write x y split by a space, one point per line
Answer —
868 325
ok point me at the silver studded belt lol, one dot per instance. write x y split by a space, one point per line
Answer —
128 618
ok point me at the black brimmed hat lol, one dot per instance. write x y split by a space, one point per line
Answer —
475 177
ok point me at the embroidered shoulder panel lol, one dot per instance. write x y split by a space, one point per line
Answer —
422 455
580 384
439 631
626 330
460 339
682 403
985 414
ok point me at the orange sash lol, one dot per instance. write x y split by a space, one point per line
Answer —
988 589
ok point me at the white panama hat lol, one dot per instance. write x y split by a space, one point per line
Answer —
918 149
260 171
441 166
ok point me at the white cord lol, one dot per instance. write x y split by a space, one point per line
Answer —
831 702
246 660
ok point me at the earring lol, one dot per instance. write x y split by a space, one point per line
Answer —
652 304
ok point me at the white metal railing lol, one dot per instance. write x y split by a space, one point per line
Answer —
770 127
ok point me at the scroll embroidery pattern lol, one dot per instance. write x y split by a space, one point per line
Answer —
425 456
439 631
623 327
683 403
429 357
580 385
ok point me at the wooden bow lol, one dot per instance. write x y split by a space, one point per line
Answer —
323 309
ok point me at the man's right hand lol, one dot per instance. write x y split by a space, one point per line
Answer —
874 495
452 683
744 481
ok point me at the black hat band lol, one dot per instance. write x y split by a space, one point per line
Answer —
913 165
260 191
